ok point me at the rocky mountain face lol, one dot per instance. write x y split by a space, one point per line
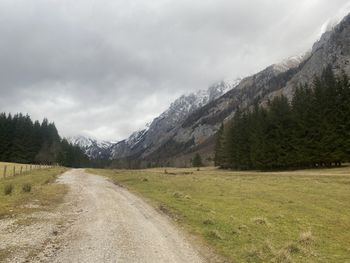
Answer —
93 148
190 123
195 133
144 142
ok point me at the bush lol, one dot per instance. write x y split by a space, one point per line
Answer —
8 189
177 194
26 188
208 222
197 161
214 234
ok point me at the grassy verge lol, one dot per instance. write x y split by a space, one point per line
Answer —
30 192
301 216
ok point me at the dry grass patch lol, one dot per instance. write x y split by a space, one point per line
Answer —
29 189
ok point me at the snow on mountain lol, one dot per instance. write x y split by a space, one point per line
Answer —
81 141
163 126
190 102
136 137
191 120
92 147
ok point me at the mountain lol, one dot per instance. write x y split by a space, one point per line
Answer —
190 123
93 148
195 133
144 142
148 138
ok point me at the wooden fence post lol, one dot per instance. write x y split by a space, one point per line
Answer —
21 170
5 168
14 170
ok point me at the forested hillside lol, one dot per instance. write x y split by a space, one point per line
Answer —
25 141
313 130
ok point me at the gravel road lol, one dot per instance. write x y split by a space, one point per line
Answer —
114 225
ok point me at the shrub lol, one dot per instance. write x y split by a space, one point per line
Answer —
208 222
197 161
26 188
8 189
177 194
214 234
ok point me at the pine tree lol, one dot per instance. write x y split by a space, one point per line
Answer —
258 138
23 141
314 130
197 161
218 151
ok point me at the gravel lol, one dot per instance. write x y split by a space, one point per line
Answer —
112 225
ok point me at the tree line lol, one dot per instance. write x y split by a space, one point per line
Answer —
25 141
311 130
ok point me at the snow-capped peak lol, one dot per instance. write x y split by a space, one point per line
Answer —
81 141
92 147
85 142
192 101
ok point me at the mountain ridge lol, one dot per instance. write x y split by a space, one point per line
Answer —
191 121
333 48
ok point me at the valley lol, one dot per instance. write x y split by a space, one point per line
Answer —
175 131
191 122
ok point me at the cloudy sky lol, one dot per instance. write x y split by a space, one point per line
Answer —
104 68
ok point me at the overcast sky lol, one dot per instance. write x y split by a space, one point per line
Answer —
104 68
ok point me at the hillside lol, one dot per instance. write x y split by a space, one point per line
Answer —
191 121
144 141
196 132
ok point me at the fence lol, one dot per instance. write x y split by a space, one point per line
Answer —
8 170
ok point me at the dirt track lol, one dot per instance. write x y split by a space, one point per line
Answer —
115 226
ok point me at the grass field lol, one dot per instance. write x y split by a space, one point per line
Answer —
11 168
34 188
298 216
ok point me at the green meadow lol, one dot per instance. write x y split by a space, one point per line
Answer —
294 216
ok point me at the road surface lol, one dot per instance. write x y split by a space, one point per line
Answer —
114 225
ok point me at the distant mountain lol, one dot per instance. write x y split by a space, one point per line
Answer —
155 132
142 143
93 148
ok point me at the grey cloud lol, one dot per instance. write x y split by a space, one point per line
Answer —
105 68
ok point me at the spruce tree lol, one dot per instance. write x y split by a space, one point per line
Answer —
218 151
197 161
312 130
